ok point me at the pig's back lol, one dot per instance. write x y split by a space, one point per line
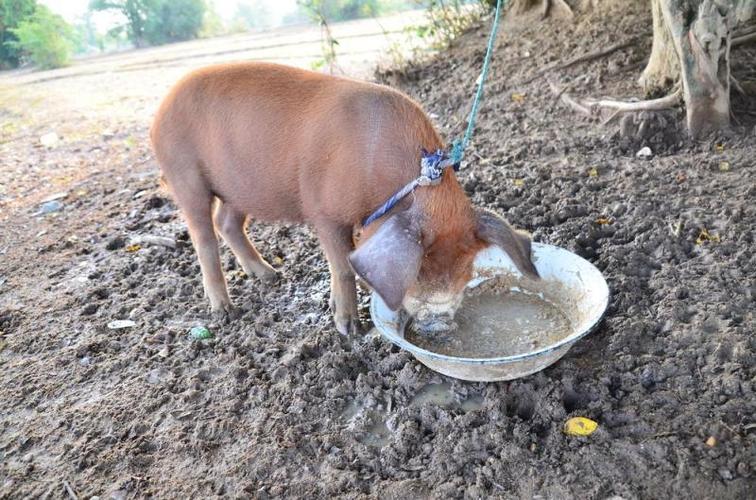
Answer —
281 143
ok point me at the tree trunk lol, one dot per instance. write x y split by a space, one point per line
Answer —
546 8
701 33
663 67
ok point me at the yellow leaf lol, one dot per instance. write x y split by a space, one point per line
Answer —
518 182
580 426
724 166
133 248
517 97
705 235
593 172
719 148
603 221
277 260
711 442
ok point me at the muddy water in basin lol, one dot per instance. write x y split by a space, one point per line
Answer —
494 322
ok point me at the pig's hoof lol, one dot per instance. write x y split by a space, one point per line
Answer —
348 326
269 276
223 312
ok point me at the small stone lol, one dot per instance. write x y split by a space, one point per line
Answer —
200 333
50 207
644 153
120 324
49 140
725 474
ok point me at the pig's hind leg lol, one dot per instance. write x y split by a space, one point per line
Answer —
337 244
196 203
231 224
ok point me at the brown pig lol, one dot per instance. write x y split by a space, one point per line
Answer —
275 143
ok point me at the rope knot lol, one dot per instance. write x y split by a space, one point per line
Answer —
432 166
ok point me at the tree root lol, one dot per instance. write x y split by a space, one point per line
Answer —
744 39
592 107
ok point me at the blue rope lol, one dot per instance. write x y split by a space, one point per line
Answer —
458 150
432 165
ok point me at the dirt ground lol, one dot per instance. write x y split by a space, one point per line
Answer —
279 404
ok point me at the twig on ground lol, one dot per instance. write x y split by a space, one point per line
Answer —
70 490
596 54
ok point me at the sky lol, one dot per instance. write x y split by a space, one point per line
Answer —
72 9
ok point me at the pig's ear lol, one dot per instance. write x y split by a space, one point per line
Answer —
496 231
390 259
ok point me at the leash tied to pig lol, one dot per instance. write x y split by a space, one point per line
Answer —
433 163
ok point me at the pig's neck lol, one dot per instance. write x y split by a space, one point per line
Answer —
444 208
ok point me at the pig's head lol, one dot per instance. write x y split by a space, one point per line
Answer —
422 258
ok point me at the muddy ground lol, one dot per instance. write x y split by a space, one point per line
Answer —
279 404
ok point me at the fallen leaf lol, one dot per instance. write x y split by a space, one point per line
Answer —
603 221
705 235
593 172
580 426
681 177
277 260
133 248
119 324
518 182
724 166
517 97
711 442
719 148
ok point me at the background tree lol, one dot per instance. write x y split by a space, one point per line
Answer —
253 14
168 21
134 11
45 38
12 12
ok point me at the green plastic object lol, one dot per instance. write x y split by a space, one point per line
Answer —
200 333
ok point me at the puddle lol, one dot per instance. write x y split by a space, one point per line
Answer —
369 427
377 434
442 395
498 323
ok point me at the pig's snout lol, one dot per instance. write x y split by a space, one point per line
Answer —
435 323
434 314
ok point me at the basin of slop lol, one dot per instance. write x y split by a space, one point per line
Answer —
510 326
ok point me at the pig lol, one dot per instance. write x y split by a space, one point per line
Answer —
274 143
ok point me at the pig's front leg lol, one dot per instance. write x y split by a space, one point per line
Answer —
337 244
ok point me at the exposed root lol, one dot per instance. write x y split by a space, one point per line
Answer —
562 95
744 39
737 86
592 107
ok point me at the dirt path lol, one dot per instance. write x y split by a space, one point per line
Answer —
278 404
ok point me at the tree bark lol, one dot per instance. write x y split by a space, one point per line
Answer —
701 34
663 67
